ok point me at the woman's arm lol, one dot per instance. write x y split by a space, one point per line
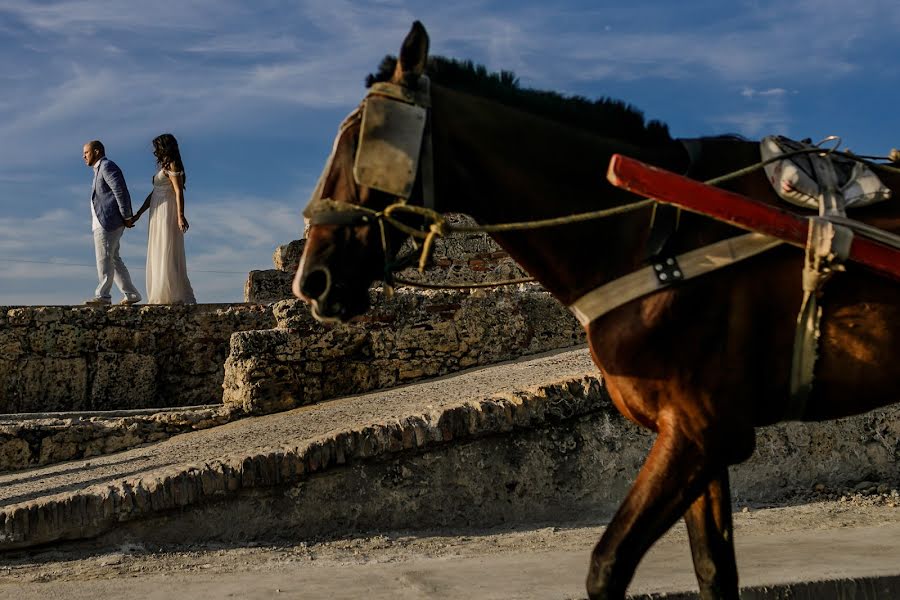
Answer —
177 180
143 208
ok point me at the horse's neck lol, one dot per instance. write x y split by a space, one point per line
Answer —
499 164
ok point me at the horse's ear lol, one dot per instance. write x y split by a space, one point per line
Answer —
413 55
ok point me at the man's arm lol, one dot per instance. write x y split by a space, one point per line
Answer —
113 177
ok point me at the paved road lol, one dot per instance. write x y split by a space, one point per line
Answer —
824 540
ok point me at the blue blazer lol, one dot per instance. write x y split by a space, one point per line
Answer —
110 197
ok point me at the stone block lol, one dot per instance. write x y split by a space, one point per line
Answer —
287 256
268 286
40 384
124 381
121 340
12 343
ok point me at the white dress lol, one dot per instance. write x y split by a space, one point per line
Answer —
167 280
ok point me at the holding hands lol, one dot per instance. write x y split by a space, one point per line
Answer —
134 219
183 224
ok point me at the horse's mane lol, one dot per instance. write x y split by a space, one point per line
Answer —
606 116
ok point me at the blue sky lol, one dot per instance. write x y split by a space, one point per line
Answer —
254 92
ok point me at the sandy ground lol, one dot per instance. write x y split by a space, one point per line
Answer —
840 534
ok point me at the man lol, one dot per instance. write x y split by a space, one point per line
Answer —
110 214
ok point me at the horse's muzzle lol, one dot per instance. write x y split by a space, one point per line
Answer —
312 285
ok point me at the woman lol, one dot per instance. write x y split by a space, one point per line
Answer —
167 280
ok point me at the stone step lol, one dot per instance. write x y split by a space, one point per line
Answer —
30 440
175 353
287 256
412 335
485 447
268 286
86 498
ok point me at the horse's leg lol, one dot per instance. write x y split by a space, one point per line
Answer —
709 527
677 470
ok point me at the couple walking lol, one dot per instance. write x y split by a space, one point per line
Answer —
167 280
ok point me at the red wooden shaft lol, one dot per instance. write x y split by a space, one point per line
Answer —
741 211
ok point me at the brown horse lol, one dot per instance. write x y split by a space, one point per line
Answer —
702 363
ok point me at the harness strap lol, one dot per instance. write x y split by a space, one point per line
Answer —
827 248
419 97
666 217
614 294
426 163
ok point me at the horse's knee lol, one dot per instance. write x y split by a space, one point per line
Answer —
705 568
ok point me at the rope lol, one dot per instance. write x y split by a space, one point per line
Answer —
463 286
754 167
440 227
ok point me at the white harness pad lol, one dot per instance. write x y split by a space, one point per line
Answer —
795 180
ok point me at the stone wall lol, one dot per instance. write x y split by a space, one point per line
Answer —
273 285
558 453
457 258
32 442
412 336
64 358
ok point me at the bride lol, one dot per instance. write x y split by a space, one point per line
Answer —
167 280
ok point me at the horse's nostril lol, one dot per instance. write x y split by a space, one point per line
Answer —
315 284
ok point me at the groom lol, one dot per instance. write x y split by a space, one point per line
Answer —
110 214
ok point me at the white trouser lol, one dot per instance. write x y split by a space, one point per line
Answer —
110 266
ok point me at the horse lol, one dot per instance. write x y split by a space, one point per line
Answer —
702 364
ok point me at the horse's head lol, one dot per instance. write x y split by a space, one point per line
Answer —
373 164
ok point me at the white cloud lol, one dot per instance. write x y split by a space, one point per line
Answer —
749 92
764 112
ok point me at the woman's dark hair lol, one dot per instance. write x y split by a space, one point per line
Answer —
168 156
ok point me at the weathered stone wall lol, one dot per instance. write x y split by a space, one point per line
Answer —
63 358
558 453
465 257
33 442
267 286
458 258
413 335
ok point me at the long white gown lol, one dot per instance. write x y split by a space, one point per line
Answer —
167 279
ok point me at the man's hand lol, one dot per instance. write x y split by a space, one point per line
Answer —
130 222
